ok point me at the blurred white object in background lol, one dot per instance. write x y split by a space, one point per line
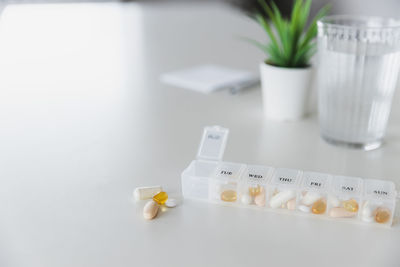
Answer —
210 78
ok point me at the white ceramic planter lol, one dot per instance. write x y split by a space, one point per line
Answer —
285 91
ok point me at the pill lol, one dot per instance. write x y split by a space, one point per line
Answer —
160 198
334 201
171 203
319 206
350 205
341 213
260 200
246 199
229 195
150 210
253 191
291 204
281 198
141 193
367 212
367 219
304 208
310 197
382 215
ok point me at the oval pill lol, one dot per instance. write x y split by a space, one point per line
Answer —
382 215
350 205
150 210
291 204
229 196
341 213
260 200
281 198
319 206
171 203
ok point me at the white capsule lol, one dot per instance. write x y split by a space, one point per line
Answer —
141 193
310 197
246 199
171 203
334 201
367 212
281 198
304 208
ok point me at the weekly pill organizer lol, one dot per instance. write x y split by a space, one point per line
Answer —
318 195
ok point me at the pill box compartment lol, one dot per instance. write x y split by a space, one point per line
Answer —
253 185
224 183
196 178
344 198
378 202
284 188
313 195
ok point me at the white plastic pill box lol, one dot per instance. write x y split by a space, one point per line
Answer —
321 195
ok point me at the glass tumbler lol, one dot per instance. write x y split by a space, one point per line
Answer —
358 69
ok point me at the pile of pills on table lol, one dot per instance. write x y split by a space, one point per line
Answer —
158 198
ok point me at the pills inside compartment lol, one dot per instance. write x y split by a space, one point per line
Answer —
378 203
285 185
312 202
253 194
343 208
253 185
224 183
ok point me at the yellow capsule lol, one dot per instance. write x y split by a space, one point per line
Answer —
254 191
229 195
382 215
161 198
319 206
350 205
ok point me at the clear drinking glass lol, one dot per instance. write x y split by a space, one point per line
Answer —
359 65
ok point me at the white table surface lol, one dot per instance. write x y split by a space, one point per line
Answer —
84 120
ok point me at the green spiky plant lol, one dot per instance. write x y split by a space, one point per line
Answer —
291 41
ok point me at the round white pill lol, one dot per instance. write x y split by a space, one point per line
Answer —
171 203
310 197
246 199
304 208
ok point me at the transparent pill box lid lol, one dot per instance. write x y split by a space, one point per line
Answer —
315 181
379 190
286 178
346 186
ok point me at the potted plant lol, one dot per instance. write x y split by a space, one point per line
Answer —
286 74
